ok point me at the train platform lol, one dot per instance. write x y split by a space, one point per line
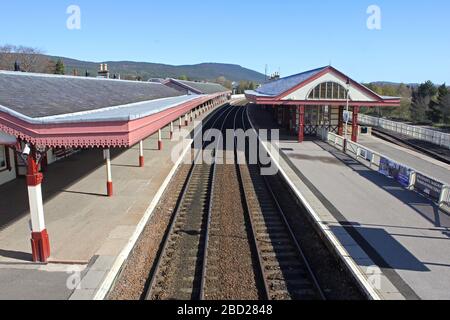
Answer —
393 240
413 159
88 231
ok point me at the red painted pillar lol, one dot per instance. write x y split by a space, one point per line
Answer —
141 153
341 121
355 126
40 244
109 183
301 124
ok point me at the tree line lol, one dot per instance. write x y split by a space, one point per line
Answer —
28 60
425 103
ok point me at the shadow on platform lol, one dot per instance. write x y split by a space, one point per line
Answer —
58 178
395 255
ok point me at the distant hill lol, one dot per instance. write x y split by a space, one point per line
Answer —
204 71
395 84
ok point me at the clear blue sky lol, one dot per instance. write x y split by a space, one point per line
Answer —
291 35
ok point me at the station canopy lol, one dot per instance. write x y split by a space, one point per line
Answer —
322 86
197 87
80 112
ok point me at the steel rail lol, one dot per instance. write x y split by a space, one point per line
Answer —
148 296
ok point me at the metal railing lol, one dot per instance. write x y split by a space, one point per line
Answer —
409 178
432 136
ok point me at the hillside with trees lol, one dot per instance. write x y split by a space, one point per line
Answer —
425 103
34 60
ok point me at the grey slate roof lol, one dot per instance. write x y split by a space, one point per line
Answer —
275 88
38 95
119 113
202 87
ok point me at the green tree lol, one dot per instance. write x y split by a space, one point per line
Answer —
419 107
427 89
59 67
183 78
444 103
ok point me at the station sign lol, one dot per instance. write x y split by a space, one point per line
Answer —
428 186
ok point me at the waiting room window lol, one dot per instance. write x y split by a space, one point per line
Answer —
3 162
328 91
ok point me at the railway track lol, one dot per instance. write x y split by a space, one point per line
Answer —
188 257
179 270
284 268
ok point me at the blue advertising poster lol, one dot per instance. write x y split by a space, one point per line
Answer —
396 171
404 176
384 167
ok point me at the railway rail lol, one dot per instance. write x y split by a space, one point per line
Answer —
286 273
188 258
179 269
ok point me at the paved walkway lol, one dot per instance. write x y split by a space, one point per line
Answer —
87 229
413 159
375 219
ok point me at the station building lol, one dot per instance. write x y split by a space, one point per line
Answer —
44 118
315 100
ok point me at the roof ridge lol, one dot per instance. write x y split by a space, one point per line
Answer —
300 73
61 76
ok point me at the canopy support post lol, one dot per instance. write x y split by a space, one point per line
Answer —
141 154
40 244
109 183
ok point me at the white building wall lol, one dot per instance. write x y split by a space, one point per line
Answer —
303 93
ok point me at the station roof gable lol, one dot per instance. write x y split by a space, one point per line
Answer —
298 89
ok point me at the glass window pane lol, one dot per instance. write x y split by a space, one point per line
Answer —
323 91
317 92
2 158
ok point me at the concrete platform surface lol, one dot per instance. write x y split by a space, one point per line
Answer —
400 231
87 229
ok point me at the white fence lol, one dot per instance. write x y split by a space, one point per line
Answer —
433 136
408 177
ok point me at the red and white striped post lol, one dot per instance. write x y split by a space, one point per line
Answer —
109 183
40 244
160 143
141 154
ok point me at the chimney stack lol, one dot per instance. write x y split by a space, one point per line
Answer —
103 73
